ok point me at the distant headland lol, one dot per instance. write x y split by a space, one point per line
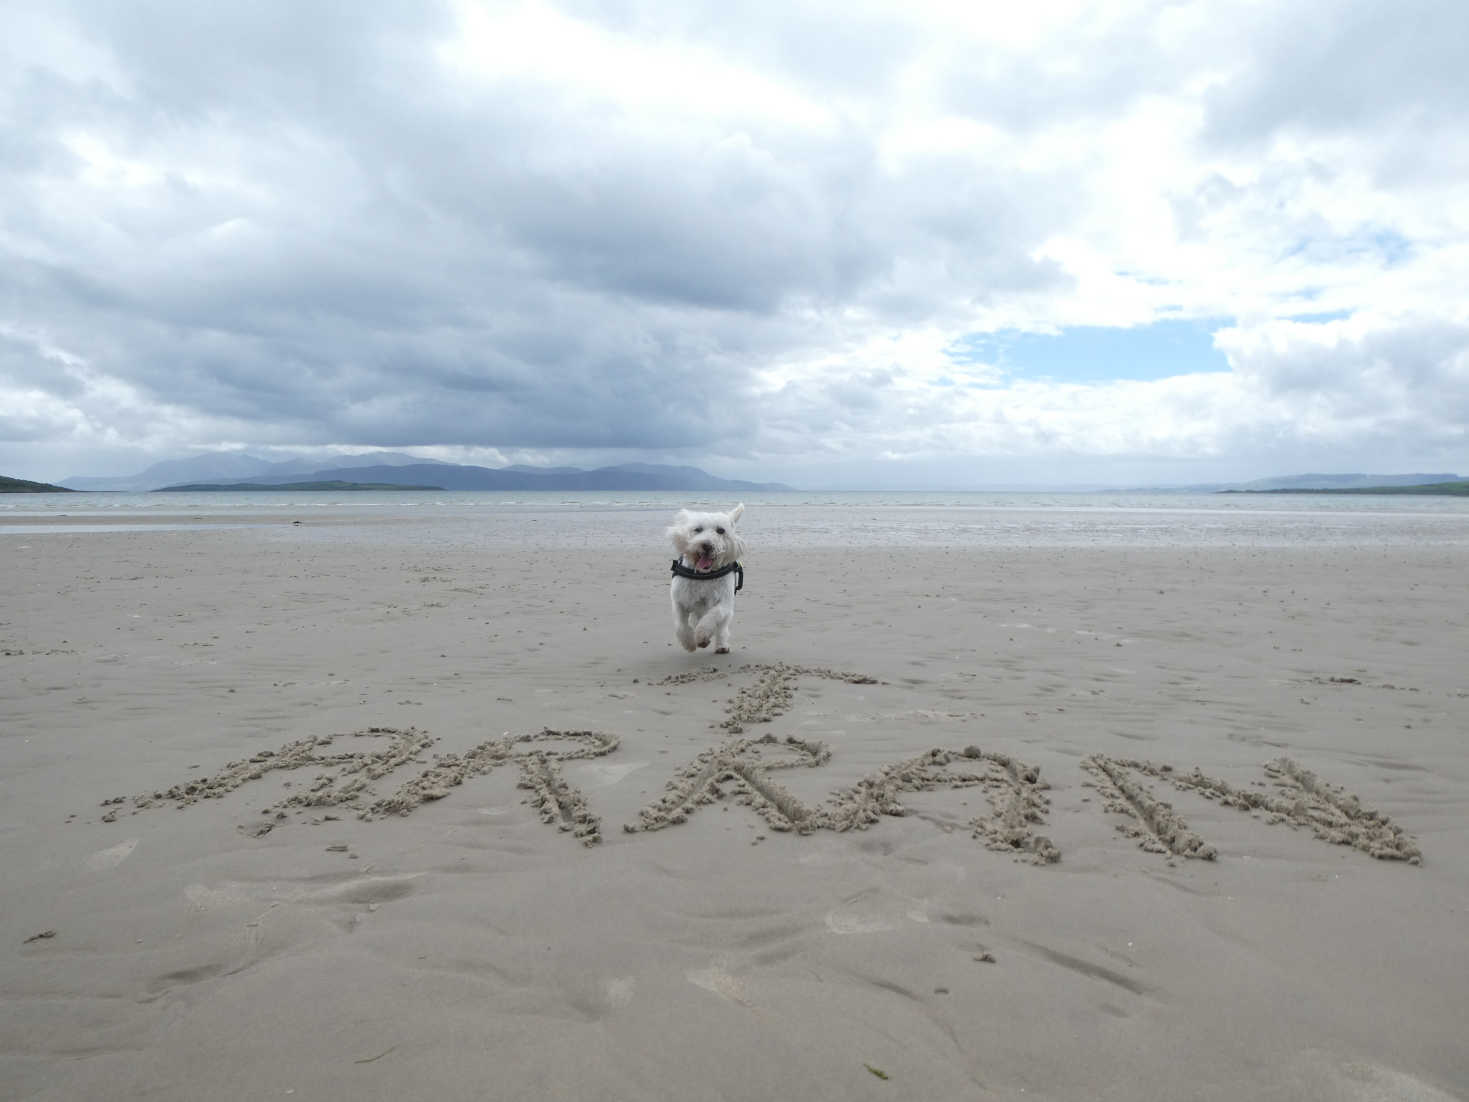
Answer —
1454 489
22 486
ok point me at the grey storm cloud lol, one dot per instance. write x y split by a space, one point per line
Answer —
508 271
392 266
1335 66
1412 378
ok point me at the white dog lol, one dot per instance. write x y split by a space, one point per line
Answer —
703 587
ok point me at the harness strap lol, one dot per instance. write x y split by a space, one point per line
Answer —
683 571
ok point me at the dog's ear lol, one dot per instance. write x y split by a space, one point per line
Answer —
736 512
681 518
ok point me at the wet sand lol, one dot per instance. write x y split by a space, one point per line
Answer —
286 817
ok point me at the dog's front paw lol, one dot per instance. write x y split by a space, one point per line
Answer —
721 650
701 640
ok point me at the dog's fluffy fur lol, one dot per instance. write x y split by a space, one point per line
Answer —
704 610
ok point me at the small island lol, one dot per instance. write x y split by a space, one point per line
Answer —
253 487
21 486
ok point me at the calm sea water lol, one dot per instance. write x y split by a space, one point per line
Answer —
587 521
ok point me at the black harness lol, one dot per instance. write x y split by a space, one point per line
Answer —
682 571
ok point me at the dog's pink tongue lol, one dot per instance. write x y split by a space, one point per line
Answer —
704 563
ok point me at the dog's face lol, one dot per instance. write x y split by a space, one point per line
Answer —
707 541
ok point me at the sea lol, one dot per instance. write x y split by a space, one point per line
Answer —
827 521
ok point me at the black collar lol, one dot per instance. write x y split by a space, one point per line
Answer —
683 571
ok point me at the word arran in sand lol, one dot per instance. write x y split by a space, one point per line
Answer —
741 770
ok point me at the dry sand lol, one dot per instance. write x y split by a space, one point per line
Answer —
280 818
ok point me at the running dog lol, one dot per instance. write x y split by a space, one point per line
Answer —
704 577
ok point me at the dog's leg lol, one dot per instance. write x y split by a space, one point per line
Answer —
681 630
714 627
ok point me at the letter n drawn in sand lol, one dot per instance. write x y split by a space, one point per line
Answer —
1300 799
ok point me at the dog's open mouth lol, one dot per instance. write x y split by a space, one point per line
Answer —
705 563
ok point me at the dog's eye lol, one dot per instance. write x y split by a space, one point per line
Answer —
697 531
720 531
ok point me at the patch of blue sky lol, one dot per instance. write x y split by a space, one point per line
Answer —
1388 247
1392 246
1145 279
1098 354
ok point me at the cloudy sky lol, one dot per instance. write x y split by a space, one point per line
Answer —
890 244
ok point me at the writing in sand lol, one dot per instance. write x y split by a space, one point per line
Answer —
743 769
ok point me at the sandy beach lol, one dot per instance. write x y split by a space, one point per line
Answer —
288 817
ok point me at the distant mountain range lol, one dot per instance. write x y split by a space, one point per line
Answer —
232 467
452 476
313 487
391 469
244 472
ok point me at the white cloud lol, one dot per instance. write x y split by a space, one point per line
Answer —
744 236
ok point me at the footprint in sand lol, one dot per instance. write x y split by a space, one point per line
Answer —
619 991
873 912
1361 1081
856 921
368 889
204 898
716 979
112 856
